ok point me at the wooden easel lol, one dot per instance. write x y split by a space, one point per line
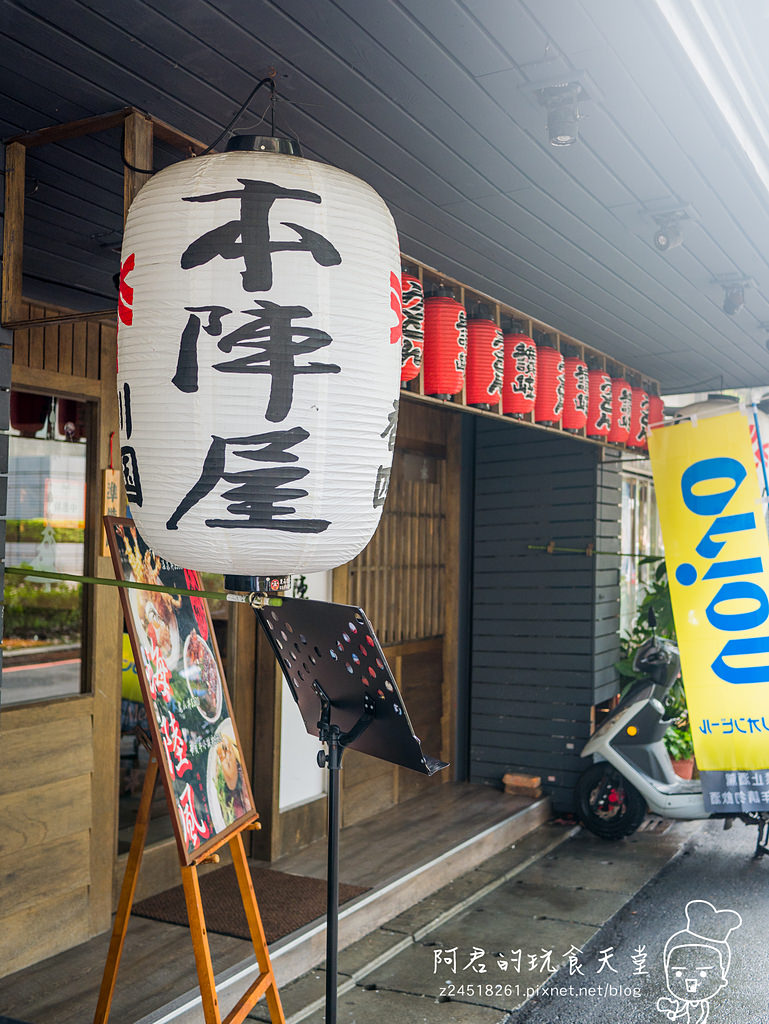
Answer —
265 984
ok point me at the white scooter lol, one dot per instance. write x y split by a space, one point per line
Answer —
612 795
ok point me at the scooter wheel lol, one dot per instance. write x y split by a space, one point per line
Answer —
608 805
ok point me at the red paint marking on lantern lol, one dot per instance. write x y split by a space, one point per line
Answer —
126 292
396 331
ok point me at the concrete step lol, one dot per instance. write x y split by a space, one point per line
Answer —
297 954
551 893
305 996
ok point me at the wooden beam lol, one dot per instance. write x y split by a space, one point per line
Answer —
13 231
64 318
138 152
72 129
179 140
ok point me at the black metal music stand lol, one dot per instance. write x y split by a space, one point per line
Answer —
347 696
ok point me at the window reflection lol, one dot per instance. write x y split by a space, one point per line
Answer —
45 530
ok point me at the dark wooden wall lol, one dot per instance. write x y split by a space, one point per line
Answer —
544 626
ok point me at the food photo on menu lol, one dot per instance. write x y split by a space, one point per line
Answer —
176 650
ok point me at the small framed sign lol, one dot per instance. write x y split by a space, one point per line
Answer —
185 695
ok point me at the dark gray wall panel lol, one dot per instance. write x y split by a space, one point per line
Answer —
544 626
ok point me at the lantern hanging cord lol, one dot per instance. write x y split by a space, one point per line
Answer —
210 595
262 81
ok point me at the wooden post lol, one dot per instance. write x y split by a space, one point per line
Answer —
138 151
265 984
200 945
13 231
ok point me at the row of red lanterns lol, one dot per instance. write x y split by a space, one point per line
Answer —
511 370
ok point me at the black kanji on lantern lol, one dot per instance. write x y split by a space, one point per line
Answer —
381 486
257 493
581 388
186 376
277 342
392 425
131 478
524 381
248 238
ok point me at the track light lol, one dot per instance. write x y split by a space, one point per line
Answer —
668 236
562 96
562 102
734 299
734 286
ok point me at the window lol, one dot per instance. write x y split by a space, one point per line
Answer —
48 449
640 535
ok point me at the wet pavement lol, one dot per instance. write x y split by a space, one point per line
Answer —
477 951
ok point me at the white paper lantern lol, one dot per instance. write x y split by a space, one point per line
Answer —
259 352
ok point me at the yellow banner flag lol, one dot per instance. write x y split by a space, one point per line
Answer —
717 556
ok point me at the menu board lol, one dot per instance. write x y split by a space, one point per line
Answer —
185 694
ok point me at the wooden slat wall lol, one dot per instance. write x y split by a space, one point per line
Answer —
58 812
46 811
399 578
72 349
401 581
544 626
370 785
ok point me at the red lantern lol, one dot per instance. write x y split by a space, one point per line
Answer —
598 404
621 405
656 411
445 353
519 387
548 404
485 355
575 393
29 412
413 327
639 419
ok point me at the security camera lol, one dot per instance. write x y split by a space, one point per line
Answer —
668 236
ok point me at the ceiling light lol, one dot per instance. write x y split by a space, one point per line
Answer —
734 286
734 299
562 102
668 236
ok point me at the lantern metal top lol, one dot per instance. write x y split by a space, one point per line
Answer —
263 144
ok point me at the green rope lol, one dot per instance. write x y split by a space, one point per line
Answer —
210 595
587 550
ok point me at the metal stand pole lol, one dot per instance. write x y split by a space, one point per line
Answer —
336 741
334 764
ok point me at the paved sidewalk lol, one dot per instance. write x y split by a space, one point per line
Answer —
519 915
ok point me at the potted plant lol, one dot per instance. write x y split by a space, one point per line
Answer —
678 738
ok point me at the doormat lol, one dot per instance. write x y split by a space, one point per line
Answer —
286 902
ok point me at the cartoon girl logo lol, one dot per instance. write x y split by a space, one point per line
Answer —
697 962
